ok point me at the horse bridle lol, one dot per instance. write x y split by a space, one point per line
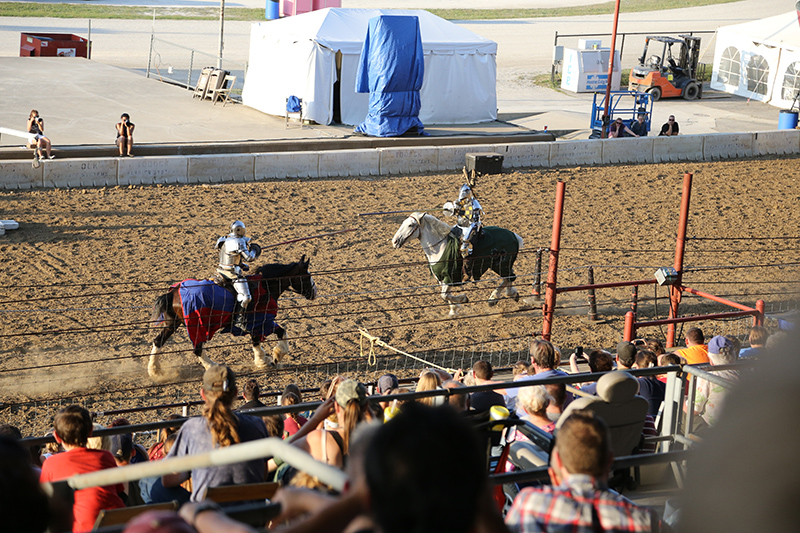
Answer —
419 229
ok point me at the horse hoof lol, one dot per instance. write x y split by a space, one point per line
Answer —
492 303
153 370
516 297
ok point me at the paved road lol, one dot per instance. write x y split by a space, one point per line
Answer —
524 49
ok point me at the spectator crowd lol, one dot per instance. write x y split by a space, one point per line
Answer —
412 463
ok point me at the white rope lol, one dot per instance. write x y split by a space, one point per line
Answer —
371 359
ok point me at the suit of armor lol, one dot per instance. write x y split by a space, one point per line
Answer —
468 210
234 250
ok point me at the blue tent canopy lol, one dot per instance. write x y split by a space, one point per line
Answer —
391 69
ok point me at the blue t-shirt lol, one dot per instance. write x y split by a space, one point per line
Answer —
195 437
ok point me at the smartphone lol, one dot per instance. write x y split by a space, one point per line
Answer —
579 351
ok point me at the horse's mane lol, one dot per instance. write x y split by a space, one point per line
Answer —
275 270
436 225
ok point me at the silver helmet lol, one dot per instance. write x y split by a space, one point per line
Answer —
465 192
238 229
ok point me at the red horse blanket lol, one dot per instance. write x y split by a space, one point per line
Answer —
208 308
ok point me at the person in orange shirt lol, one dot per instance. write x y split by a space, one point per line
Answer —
696 350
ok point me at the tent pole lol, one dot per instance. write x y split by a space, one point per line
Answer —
221 28
603 133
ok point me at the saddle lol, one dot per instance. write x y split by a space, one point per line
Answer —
224 282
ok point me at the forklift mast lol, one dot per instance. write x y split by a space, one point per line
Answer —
690 55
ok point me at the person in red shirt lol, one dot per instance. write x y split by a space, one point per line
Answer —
73 427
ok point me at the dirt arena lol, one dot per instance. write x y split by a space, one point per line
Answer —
81 273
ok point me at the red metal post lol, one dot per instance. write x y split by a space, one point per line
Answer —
603 133
758 320
552 273
630 329
680 243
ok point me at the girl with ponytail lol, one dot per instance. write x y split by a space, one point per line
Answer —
218 427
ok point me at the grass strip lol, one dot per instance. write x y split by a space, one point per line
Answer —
89 11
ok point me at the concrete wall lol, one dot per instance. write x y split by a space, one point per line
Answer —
111 171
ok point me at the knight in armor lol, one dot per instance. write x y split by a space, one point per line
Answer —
234 250
468 210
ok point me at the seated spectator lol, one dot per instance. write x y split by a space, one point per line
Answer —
667 359
428 381
328 390
655 346
520 368
50 448
106 442
125 135
599 361
123 452
274 425
39 142
696 351
544 363
639 128
250 394
579 498
709 397
670 128
138 453
151 490
292 421
23 504
458 401
385 384
218 427
292 387
13 433
650 388
618 129
534 401
484 400
558 393
157 451
73 427
332 446
426 472
758 342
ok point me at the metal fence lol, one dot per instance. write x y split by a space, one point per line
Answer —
181 65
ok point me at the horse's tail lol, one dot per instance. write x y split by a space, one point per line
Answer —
162 310
520 242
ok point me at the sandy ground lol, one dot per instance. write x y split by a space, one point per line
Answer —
98 257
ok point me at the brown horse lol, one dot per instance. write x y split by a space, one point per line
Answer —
205 308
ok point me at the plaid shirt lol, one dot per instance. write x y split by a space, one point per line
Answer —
579 505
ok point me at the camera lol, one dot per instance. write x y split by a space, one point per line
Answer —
579 351
38 119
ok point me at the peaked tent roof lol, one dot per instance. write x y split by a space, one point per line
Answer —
345 30
782 31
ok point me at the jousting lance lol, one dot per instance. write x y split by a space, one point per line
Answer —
398 212
308 238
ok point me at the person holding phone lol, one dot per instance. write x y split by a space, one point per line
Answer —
38 141
125 135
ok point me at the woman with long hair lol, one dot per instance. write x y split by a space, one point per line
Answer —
331 446
218 427
429 380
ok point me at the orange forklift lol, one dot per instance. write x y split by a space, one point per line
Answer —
668 74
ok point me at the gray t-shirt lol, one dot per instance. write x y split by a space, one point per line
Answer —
195 437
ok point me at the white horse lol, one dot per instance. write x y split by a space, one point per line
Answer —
495 249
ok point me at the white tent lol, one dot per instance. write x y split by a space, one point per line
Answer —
760 59
305 55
